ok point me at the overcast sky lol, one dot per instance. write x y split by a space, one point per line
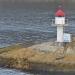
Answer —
38 0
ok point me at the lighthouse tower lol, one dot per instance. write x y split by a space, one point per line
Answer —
60 21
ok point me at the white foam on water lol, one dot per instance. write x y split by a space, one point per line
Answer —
11 72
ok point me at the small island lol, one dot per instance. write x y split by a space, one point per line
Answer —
40 57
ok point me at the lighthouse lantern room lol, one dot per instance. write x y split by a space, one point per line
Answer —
60 18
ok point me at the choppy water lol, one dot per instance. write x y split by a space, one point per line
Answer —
24 25
20 25
28 24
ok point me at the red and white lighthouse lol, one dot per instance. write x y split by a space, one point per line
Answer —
60 21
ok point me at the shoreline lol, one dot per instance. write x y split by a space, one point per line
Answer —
29 59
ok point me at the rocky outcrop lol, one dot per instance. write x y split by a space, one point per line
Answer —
46 57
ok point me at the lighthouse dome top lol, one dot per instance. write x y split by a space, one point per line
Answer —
60 13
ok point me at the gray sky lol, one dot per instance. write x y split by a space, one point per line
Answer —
38 0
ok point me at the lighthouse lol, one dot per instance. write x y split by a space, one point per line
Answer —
60 21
